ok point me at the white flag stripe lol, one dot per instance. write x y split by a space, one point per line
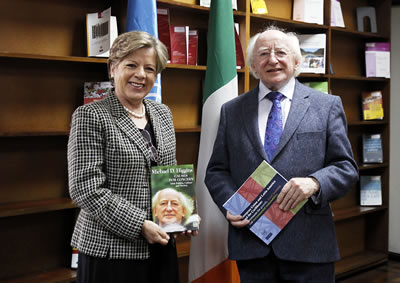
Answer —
210 245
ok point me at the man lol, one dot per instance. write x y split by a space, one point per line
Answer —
172 210
305 140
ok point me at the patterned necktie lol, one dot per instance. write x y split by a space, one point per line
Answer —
274 124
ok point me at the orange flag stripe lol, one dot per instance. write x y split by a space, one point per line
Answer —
225 272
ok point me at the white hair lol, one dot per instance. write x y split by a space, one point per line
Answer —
294 46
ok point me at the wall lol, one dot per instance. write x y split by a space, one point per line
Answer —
394 211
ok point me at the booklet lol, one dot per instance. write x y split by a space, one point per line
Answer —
173 198
93 91
313 51
101 31
370 190
255 200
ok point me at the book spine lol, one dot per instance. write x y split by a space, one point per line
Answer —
178 45
193 47
163 29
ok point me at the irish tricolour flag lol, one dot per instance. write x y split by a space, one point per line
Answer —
209 251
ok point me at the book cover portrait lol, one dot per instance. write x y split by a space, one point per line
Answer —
173 198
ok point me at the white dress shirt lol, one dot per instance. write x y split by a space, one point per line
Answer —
265 105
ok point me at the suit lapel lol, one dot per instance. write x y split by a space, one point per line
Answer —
124 122
250 119
300 104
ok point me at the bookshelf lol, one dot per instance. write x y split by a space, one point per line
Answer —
43 68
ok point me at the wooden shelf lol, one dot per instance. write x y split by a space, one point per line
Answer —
53 58
358 262
317 76
357 78
358 33
30 207
367 123
186 67
90 60
188 130
60 275
357 211
288 23
365 167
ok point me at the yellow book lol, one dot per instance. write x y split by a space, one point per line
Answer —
259 7
372 105
186 1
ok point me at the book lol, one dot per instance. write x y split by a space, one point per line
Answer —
207 3
192 46
309 11
178 45
186 1
372 148
255 201
93 91
173 198
320 86
163 28
336 14
377 59
370 190
101 31
258 7
238 47
313 51
372 105
74 258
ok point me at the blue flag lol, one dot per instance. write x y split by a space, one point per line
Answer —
142 15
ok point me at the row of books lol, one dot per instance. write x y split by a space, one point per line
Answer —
313 51
181 41
310 11
188 45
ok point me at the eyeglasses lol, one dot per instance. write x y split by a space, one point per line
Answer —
279 53
152 149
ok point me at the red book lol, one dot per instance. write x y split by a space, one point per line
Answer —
239 51
163 28
192 47
178 45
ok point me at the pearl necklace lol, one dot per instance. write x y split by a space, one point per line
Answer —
134 114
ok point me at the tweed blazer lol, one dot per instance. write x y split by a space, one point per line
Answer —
314 143
109 176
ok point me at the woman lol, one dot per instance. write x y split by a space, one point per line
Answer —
113 144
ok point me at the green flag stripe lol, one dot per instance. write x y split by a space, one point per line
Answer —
221 55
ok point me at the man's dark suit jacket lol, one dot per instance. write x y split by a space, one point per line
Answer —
314 143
